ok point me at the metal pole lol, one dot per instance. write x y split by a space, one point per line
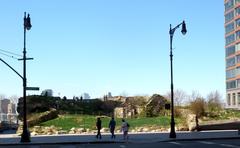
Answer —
172 131
25 137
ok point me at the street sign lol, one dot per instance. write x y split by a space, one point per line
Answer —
167 106
32 88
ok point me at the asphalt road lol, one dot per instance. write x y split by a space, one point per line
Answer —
234 143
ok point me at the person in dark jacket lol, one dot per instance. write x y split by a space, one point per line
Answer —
112 125
99 126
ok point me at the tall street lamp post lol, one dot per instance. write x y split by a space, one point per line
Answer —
171 33
25 137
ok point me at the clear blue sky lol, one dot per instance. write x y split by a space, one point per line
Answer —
118 46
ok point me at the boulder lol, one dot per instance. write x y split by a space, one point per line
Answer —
87 130
80 130
33 134
73 129
140 129
191 122
62 132
37 129
133 131
182 128
145 129
104 130
72 132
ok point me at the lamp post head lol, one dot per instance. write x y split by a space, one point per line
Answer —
184 29
27 22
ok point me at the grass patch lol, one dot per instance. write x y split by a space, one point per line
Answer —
66 122
222 116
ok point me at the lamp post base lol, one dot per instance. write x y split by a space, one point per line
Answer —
25 137
172 135
172 132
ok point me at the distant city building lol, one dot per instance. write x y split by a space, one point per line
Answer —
8 111
47 92
86 96
3 117
11 108
232 53
4 105
109 95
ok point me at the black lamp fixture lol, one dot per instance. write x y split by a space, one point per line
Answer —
27 22
184 29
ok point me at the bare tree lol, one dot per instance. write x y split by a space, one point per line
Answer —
180 97
197 107
194 95
214 103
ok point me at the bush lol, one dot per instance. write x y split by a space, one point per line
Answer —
156 106
198 107
37 104
177 112
214 104
48 115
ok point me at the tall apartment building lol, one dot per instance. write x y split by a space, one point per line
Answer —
232 55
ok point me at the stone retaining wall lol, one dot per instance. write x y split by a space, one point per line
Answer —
52 130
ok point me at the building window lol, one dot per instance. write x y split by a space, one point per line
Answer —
238 83
233 99
230 73
237 35
237 47
230 50
230 62
238 59
237 23
237 11
229 99
229 5
229 28
238 98
231 84
237 71
229 16
230 39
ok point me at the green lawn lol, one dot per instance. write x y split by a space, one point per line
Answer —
66 122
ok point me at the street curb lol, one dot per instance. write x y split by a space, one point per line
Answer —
199 139
61 143
110 142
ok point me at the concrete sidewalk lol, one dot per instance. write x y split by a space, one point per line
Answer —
13 139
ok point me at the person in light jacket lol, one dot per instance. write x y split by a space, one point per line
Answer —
124 129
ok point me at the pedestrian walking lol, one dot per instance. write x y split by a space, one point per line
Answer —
112 125
124 129
99 127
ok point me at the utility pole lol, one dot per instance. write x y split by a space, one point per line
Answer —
25 137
